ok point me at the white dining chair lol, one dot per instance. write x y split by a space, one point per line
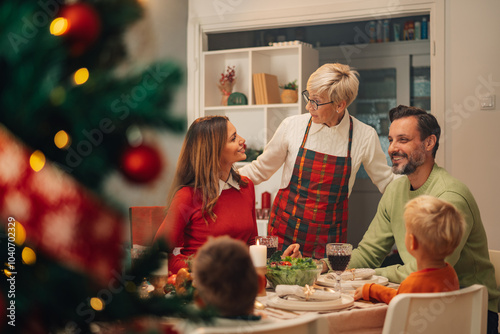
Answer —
495 259
310 323
461 311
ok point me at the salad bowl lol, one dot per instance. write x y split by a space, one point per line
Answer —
292 271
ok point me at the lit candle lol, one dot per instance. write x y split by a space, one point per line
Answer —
258 253
266 200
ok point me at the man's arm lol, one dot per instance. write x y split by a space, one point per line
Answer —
377 241
397 273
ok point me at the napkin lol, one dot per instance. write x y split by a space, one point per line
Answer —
307 292
351 275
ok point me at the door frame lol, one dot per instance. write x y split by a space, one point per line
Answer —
199 27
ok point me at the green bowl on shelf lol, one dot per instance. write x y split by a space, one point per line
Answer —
237 99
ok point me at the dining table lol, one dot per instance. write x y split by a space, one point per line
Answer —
360 317
354 316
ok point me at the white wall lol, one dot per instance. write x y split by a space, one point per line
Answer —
473 145
471 56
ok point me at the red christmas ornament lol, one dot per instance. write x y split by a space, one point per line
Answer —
141 164
84 26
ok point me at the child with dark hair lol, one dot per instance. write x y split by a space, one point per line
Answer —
225 278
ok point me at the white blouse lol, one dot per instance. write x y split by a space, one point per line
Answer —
231 182
285 144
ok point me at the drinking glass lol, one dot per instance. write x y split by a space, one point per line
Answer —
339 255
159 277
271 242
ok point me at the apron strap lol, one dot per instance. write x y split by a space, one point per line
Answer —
306 133
350 138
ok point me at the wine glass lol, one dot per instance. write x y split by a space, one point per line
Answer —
271 242
339 255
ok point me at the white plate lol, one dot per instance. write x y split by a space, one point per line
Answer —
302 305
324 281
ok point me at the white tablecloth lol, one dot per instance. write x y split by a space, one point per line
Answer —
362 317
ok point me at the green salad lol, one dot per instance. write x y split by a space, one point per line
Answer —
291 271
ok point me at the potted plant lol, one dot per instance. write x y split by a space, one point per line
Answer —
289 94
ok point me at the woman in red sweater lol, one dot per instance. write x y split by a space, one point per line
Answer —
208 197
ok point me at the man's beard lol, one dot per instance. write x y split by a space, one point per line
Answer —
416 159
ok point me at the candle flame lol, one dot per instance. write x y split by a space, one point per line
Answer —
257 242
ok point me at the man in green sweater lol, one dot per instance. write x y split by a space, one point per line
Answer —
414 140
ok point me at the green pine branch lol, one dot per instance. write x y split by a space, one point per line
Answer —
38 97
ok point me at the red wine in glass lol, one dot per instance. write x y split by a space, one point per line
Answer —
271 242
271 251
339 262
339 255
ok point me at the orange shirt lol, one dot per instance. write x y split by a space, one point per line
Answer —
427 280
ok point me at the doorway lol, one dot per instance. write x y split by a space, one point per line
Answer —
326 30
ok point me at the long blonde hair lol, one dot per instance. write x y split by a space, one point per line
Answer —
199 162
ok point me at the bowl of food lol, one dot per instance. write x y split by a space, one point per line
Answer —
292 271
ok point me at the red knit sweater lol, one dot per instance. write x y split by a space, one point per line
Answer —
185 227
427 280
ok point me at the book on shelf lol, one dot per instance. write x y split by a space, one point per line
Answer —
257 86
266 88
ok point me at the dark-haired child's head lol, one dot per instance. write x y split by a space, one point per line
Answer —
225 277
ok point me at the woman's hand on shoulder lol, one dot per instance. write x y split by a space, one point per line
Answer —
293 250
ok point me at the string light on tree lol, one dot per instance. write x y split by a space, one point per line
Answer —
81 76
20 233
96 303
62 139
59 26
37 160
28 255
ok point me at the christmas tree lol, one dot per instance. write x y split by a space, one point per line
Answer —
68 116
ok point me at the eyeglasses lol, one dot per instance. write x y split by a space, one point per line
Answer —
314 104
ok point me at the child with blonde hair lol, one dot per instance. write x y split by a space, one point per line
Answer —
434 229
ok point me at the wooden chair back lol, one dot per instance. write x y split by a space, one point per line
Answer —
144 222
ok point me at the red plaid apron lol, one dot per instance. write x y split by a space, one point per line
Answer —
313 209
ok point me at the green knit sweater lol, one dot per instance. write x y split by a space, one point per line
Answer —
470 259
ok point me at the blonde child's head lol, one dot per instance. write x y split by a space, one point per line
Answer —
436 224
225 276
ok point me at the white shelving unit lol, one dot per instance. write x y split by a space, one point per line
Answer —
256 123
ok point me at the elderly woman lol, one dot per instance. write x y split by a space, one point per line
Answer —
321 152
208 197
